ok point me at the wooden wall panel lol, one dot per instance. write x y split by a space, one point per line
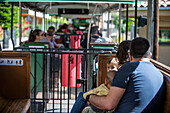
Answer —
15 80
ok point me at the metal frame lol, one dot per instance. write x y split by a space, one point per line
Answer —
52 52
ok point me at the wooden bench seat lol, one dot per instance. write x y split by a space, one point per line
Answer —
165 70
15 82
14 105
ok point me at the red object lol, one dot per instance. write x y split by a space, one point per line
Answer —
73 69
75 41
79 32
2 61
8 61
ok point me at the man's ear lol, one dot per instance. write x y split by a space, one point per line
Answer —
130 57
150 54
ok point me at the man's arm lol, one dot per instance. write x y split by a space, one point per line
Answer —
108 102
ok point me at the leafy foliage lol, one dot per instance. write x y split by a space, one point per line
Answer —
5 15
123 25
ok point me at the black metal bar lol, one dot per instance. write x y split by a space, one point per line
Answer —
46 74
35 80
61 86
12 12
83 68
53 80
44 64
57 79
120 24
35 15
86 71
156 30
51 73
127 10
136 1
76 76
20 23
68 82
108 21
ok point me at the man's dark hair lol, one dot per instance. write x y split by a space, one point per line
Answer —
140 48
51 27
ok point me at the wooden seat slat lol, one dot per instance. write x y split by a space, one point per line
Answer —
14 105
3 103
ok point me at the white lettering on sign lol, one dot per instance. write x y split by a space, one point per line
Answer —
9 61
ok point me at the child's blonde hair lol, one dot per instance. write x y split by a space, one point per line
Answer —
112 64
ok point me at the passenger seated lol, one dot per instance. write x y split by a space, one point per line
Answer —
112 64
51 29
122 52
62 28
48 39
36 35
135 85
103 89
95 37
51 39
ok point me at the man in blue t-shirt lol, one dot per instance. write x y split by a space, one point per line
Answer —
137 87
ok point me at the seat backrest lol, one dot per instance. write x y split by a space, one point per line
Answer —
102 45
37 44
15 75
165 70
102 67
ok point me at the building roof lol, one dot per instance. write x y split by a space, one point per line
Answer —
162 3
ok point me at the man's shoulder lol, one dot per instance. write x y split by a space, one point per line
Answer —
129 66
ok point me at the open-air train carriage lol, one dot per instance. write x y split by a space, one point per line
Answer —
53 95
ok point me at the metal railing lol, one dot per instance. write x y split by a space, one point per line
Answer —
58 75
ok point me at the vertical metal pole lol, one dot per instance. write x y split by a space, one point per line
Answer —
53 57
102 20
35 19
35 80
108 22
51 21
127 7
98 20
68 100
43 22
120 16
135 18
20 23
150 22
76 75
88 41
61 85
156 30
12 12
88 38
43 82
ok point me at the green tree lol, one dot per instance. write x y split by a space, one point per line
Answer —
123 25
5 15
